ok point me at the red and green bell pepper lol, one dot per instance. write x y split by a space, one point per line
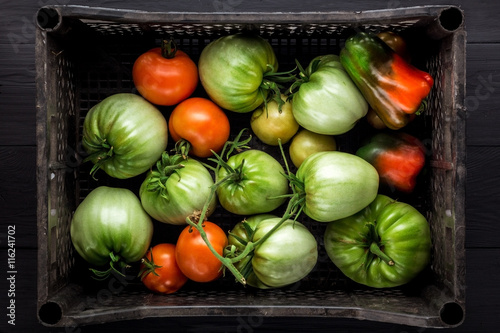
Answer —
398 158
394 88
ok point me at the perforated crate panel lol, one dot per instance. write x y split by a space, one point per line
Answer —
86 54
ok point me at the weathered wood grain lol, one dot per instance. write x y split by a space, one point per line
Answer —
18 194
483 196
483 98
17 68
17 115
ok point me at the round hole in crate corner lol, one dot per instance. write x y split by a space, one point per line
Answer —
50 313
452 313
451 18
48 18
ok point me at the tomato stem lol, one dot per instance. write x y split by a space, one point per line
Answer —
373 238
168 48
228 263
291 209
225 261
375 249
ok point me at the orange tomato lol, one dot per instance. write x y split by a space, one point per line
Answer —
194 257
202 123
159 270
165 76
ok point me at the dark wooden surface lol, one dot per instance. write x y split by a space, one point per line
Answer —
18 162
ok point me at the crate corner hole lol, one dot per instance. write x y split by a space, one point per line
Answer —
50 313
48 18
452 314
451 19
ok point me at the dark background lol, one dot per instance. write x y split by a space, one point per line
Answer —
18 165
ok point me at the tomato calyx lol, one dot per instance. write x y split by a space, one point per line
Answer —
236 145
103 153
231 251
115 261
168 48
271 86
165 167
149 266
183 147
303 76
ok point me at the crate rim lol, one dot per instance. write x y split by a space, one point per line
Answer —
117 15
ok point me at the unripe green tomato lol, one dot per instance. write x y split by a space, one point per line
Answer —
269 123
306 143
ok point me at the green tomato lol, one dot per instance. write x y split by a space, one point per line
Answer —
176 188
243 231
270 123
328 102
335 185
306 143
110 227
232 70
386 244
288 254
238 238
124 135
255 178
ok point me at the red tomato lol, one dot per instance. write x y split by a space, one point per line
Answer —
200 122
165 78
160 272
194 257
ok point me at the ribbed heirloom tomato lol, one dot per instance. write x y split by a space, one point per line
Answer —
236 71
193 255
202 124
159 270
165 75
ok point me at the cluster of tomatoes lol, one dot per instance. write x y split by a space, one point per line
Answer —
125 135
167 76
